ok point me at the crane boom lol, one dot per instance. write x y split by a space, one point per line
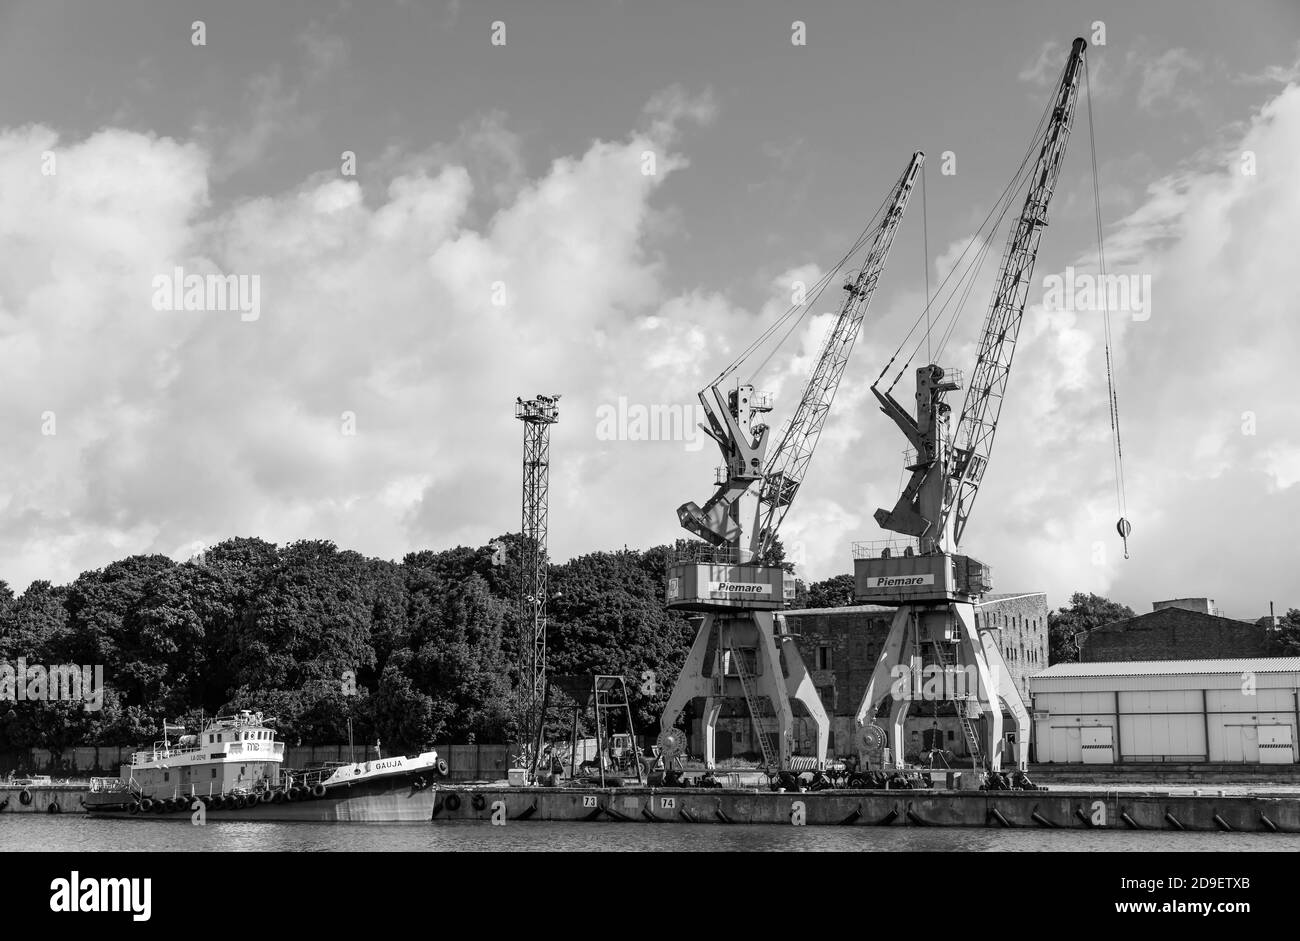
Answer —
973 442
789 463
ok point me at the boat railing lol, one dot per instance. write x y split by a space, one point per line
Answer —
108 785
161 750
313 777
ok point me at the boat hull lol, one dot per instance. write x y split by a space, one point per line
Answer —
391 800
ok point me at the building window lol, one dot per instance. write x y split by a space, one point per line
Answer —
823 657
214 772
950 735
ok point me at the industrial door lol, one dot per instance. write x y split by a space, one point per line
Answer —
1250 744
1275 745
1065 744
1097 747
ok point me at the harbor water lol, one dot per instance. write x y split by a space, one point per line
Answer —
77 833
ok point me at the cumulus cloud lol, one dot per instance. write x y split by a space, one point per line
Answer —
422 305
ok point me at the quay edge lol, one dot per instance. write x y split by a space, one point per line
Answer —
1074 809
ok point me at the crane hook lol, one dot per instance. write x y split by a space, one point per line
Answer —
1124 527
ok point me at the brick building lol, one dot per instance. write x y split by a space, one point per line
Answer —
1175 632
840 646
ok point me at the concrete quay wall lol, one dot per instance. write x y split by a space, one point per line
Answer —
1046 809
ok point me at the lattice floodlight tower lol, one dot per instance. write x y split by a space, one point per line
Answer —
935 650
538 415
742 649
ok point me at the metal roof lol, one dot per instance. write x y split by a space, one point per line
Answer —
849 609
1173 667
890 609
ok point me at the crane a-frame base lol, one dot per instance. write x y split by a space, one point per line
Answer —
934 652
742 651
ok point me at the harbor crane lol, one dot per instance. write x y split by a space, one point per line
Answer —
935 586
742 648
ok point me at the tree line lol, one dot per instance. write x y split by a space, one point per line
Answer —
413 652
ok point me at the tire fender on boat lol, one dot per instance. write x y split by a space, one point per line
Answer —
478 801
318 790
452 801
147 804
54 808
25 798
442 767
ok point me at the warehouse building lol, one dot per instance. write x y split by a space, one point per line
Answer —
1241 710
1181 629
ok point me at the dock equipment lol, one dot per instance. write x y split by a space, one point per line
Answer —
733 576
933 584
603 694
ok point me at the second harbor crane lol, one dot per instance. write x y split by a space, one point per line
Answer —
742 649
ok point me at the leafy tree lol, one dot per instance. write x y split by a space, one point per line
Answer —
833 592
1286 642
459 659
1085 613
310 622
403 717
35 626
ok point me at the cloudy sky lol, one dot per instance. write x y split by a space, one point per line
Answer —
499 232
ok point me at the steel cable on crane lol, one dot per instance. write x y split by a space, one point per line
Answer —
999 210
1006 201
803 309
1112 396
822 283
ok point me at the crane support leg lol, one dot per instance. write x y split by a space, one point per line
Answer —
772 684
883 676
712 707
1005 694
799 686
693 682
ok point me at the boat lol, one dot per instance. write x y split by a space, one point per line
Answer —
233 770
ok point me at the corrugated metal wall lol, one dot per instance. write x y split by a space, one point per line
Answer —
1211 717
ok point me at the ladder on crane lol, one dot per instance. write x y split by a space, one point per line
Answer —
947 658
742 671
